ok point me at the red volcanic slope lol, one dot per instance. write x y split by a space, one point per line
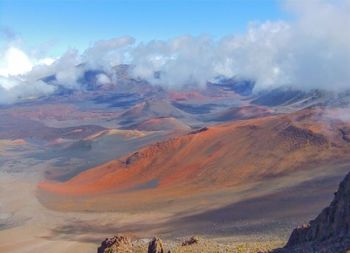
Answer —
221 156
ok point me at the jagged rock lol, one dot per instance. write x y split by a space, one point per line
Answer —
192 240
155 246
297 235
116 244
330 231
203 129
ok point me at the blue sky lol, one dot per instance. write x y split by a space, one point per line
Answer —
77 23
274 53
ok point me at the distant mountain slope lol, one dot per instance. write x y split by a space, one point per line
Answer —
291 97
241 87
161 124
220 157
12 127
151 108
239 113
279 96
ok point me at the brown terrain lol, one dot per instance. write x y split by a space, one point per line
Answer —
243 112
145 166
183 96
162 124
121 243
236 181
327 233
214 158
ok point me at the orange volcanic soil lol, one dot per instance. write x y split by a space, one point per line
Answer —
220 157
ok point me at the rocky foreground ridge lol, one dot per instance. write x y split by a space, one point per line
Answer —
329 232
120 243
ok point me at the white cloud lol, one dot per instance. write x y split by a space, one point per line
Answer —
103 79
105 54
311 51
46 61
321 48
15 62
181 61
16 68
20 89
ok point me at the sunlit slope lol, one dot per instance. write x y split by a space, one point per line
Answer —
219 157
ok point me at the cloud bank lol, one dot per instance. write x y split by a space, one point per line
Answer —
312 51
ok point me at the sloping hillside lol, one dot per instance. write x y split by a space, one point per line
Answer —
214 158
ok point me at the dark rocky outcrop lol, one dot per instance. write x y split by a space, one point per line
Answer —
203 129
299 137
191 241
155 246
116 244
330 231
345 133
